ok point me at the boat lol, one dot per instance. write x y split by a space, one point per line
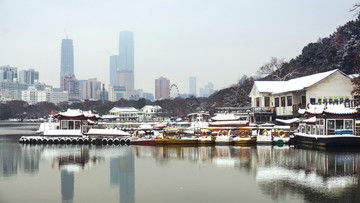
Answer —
327 125
265 134
178 138
242 136
206 139
223 137
281 135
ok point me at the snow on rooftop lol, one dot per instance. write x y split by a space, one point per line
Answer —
328 108
225 117
77 112
277 87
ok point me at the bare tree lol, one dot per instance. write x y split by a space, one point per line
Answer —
275 70
355 8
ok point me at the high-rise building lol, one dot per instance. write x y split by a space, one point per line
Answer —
114 65
122 65
29 76
116 92
126 50
67 57
192 86
162 88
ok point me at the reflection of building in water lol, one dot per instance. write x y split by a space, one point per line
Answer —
322 175
70 161
67 185
122 174
14 158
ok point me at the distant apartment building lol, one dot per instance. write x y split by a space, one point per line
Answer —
90 89
33 96
116 93
192 86
29 76
70 85
114 64
8 74
162 88
207 90
148 96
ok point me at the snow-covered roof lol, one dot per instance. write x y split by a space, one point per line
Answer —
277 87
77 112
123 109
72 113
329 108
225 117
234 122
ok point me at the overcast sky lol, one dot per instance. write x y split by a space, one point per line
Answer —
216 41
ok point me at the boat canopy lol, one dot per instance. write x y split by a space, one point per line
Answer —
288 121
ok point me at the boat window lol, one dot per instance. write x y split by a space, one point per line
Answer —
267 101
71 124
308 129
348 124
321 130
312 100
339 124
77 124
330 127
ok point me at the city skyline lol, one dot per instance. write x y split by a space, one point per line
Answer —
174 39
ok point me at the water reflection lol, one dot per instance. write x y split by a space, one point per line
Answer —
279 173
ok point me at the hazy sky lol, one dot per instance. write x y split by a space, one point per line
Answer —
214 40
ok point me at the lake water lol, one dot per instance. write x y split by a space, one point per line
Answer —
126 174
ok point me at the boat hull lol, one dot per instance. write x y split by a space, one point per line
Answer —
167 141
142 142
327 140
242 141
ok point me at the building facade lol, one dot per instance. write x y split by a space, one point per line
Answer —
116 93
70 84
29 76
162 88
8 74
207 90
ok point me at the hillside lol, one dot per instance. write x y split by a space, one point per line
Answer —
340 50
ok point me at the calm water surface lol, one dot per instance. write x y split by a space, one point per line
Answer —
87 173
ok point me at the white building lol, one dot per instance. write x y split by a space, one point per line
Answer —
283 98
149 113
32 95
125 113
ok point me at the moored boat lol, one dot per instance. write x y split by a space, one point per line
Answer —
242 136
328 125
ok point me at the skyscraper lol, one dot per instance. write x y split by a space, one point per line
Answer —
114 65
67 57
28 76
68 81
162 88
126 50
192 86
123 63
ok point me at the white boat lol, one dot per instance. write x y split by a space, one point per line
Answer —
264 134
328 125
222 137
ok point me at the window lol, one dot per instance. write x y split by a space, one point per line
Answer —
267 101
348 124
289 100
71 125
331 127
77 124
282 101
303 99
312 100
319 100
277 102
257 101
330 100
64 125
339 124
